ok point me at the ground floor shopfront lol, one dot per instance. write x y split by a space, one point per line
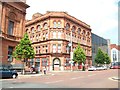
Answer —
55 62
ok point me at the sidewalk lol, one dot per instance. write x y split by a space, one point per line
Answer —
30 75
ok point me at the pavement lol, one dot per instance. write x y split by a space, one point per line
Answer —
32 75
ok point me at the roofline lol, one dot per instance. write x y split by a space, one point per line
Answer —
63 15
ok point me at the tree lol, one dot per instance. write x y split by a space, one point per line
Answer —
107 59
79 55
24 50
102 57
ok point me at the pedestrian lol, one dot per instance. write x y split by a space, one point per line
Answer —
44 70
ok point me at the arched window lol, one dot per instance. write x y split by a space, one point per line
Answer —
79 30
84 32
32 29
114 55
59 24
73 29
54 24
67 26
45 25
38 28
88 34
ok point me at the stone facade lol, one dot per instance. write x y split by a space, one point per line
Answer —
12 29
50 35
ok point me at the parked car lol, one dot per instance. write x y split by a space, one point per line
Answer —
92 68
6 73
101 68
115 65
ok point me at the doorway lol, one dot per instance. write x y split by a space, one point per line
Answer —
56 64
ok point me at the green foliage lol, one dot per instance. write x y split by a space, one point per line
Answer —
102 57
24 49
79 55
107 58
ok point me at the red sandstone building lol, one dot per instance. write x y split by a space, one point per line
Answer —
50 36
12 28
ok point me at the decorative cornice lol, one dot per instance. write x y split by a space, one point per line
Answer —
58 14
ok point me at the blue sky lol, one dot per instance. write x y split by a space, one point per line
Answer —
101 15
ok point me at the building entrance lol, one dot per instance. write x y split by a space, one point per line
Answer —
56 64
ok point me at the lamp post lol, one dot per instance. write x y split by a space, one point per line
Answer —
71 51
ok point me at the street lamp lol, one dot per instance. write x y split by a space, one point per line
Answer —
71 51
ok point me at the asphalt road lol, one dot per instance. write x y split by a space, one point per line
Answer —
79 79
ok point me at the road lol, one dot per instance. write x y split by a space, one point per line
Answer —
76 79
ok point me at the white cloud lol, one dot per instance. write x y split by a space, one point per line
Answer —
101 15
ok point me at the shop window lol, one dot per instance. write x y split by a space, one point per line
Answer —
44 61
67 62
10 51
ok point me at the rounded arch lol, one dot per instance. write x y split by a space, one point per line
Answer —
32 29
73 28
56 63
54 24
84 32
38 27
59 23
12 15
79 30
67 26
45 25
26 30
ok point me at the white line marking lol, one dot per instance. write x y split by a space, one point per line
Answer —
113 79
76 78
91 75
10 87
54 81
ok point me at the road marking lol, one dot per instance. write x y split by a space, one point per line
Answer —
91 75
10 87
76 78
110 78
54 81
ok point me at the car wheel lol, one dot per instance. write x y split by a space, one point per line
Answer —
14 76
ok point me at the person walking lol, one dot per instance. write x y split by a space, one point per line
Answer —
45 70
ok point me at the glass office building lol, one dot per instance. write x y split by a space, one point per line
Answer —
98 42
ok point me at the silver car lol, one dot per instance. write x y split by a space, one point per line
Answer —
92 68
